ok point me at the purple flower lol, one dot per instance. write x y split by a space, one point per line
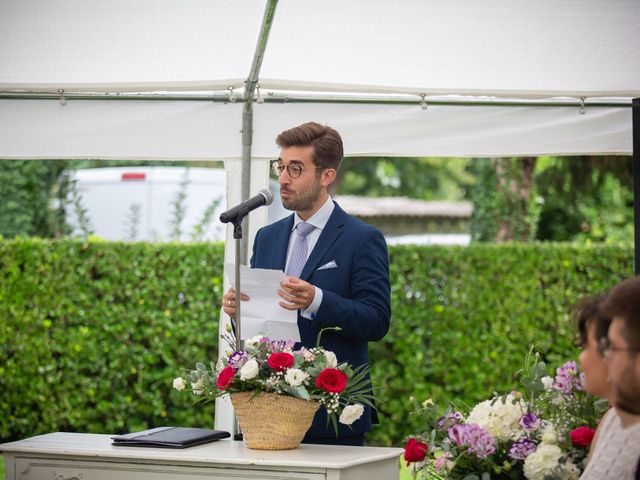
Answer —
563 384
280 345
447 421
567 378
477 439
569 368
529 421
238 359
522 448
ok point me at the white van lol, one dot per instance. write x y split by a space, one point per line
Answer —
139 203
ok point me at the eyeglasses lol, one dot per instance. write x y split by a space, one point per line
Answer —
605 348
294 169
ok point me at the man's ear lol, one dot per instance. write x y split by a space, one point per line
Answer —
328 177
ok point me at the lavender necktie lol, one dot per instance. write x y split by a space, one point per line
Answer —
299 250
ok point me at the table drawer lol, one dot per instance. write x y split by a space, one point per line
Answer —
28 468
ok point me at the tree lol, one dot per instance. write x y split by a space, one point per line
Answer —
421 178
33 198
505 204
586 198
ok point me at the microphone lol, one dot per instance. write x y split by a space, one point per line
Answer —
264 197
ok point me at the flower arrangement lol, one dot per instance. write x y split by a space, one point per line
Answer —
540 432
311 374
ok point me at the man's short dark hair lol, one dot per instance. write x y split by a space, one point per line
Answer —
326 142
623 301
587 312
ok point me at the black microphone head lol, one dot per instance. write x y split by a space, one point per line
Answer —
268 196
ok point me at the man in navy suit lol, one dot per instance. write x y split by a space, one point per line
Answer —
342 276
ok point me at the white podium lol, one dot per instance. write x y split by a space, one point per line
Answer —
82 456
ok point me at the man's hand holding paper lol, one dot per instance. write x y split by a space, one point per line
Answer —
262 309
297 293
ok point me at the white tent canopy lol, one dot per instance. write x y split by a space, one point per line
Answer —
437 48
518 48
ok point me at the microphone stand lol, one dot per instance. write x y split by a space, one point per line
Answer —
237 235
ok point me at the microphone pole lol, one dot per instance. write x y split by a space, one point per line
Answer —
237 235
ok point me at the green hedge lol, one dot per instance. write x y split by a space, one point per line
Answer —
93 333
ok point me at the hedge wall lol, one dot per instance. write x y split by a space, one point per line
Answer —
93 333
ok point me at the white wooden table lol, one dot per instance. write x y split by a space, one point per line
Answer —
83 456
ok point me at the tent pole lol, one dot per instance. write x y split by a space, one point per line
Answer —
276 97
247 113
636 182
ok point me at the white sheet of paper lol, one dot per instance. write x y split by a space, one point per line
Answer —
261 314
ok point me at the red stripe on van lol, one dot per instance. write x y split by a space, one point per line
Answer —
133 176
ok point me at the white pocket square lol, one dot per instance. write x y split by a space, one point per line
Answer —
326 266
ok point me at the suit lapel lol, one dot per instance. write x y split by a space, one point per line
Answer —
330 233
281 244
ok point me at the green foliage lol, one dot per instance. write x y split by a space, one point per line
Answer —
92 333
29 190
198 231
82 214
423 178
132 223
585 198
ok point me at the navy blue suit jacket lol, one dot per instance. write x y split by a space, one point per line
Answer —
356 293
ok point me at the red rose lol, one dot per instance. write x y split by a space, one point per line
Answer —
331 380
225 377
582 436
414 451
280 361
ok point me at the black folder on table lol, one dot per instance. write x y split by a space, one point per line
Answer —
170 437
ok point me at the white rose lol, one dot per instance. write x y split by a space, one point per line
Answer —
351 413
542 462
547 382
249 370
252 343
178 384
500 419
330 357
549 435
295 377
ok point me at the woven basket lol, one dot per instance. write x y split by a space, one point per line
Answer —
273 422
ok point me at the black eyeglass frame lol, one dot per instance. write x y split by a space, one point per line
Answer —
277 167
605 348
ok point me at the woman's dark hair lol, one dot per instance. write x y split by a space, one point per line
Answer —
586 312
623 301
